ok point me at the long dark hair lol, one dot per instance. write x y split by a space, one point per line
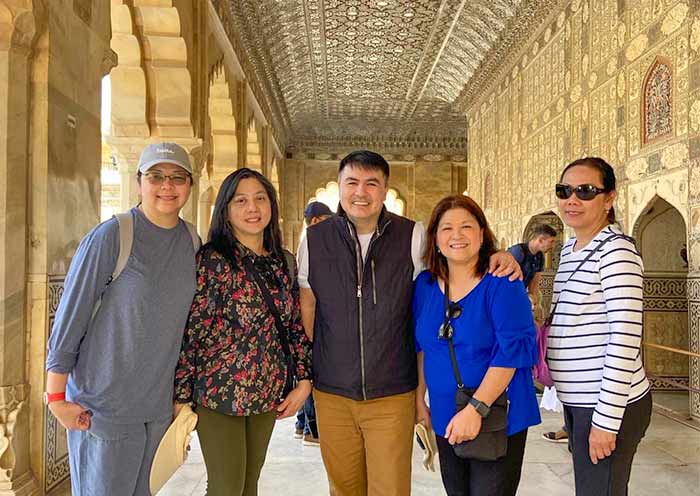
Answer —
607 175
436 261
221 236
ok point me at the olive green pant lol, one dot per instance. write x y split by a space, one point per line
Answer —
234 450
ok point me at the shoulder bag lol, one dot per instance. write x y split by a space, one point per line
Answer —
540 371
492 441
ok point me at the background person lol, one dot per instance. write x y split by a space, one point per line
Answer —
305 427
530 257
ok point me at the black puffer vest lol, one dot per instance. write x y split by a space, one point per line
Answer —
363 335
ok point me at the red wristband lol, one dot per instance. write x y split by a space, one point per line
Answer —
51 397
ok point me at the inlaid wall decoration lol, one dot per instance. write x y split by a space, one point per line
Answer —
56 468
657 105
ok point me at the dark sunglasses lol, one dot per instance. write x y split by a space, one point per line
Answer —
453 311
585 192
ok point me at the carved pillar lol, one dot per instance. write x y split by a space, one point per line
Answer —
165 63
206 202
64 164
198 157
266 151
128 102
17 32
241 109
126 153
694 282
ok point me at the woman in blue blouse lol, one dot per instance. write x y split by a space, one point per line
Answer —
494 340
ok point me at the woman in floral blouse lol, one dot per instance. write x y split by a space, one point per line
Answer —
232 364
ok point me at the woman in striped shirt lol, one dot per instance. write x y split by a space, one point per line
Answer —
594 342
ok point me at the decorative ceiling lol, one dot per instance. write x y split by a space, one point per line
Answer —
392 72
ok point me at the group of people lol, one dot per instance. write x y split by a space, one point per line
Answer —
376 312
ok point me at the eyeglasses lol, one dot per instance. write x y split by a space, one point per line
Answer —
453 311
585 192
156 178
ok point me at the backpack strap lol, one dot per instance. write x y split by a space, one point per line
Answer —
126 240
196 241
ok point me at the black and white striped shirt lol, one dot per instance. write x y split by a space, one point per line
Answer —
594 342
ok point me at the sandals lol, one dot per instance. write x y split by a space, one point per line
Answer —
561 436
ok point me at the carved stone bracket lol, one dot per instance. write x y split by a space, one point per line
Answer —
110 59
17 24
13 400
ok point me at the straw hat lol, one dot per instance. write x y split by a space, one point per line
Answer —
426 438
172 450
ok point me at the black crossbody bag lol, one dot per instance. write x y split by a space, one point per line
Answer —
290 381
492 441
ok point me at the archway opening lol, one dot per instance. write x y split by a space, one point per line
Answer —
110 179
661 239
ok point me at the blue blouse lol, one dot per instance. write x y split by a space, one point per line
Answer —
495 329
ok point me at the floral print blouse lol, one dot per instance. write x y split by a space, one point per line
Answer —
231 359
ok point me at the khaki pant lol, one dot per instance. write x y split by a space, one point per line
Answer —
367 445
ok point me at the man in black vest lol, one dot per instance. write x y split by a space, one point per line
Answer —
356 273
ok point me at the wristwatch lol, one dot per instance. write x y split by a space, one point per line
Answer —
481 408
51 397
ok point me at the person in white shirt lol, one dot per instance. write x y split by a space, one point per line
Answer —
594 342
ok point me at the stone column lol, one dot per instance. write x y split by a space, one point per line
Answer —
206 201
64 164
198 160
241 110
17 31
127 151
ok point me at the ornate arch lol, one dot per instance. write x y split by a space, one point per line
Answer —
127 79
657 102
222 122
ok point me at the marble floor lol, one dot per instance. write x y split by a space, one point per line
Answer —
668 462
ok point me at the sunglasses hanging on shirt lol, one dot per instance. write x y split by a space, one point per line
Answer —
452 311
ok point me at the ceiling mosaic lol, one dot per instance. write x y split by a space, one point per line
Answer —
360 70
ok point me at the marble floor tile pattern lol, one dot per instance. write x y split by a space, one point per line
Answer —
668 462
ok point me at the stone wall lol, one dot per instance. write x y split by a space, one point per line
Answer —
620 80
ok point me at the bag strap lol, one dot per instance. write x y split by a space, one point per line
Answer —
450 344
196 240
126 240
269 301
590 254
